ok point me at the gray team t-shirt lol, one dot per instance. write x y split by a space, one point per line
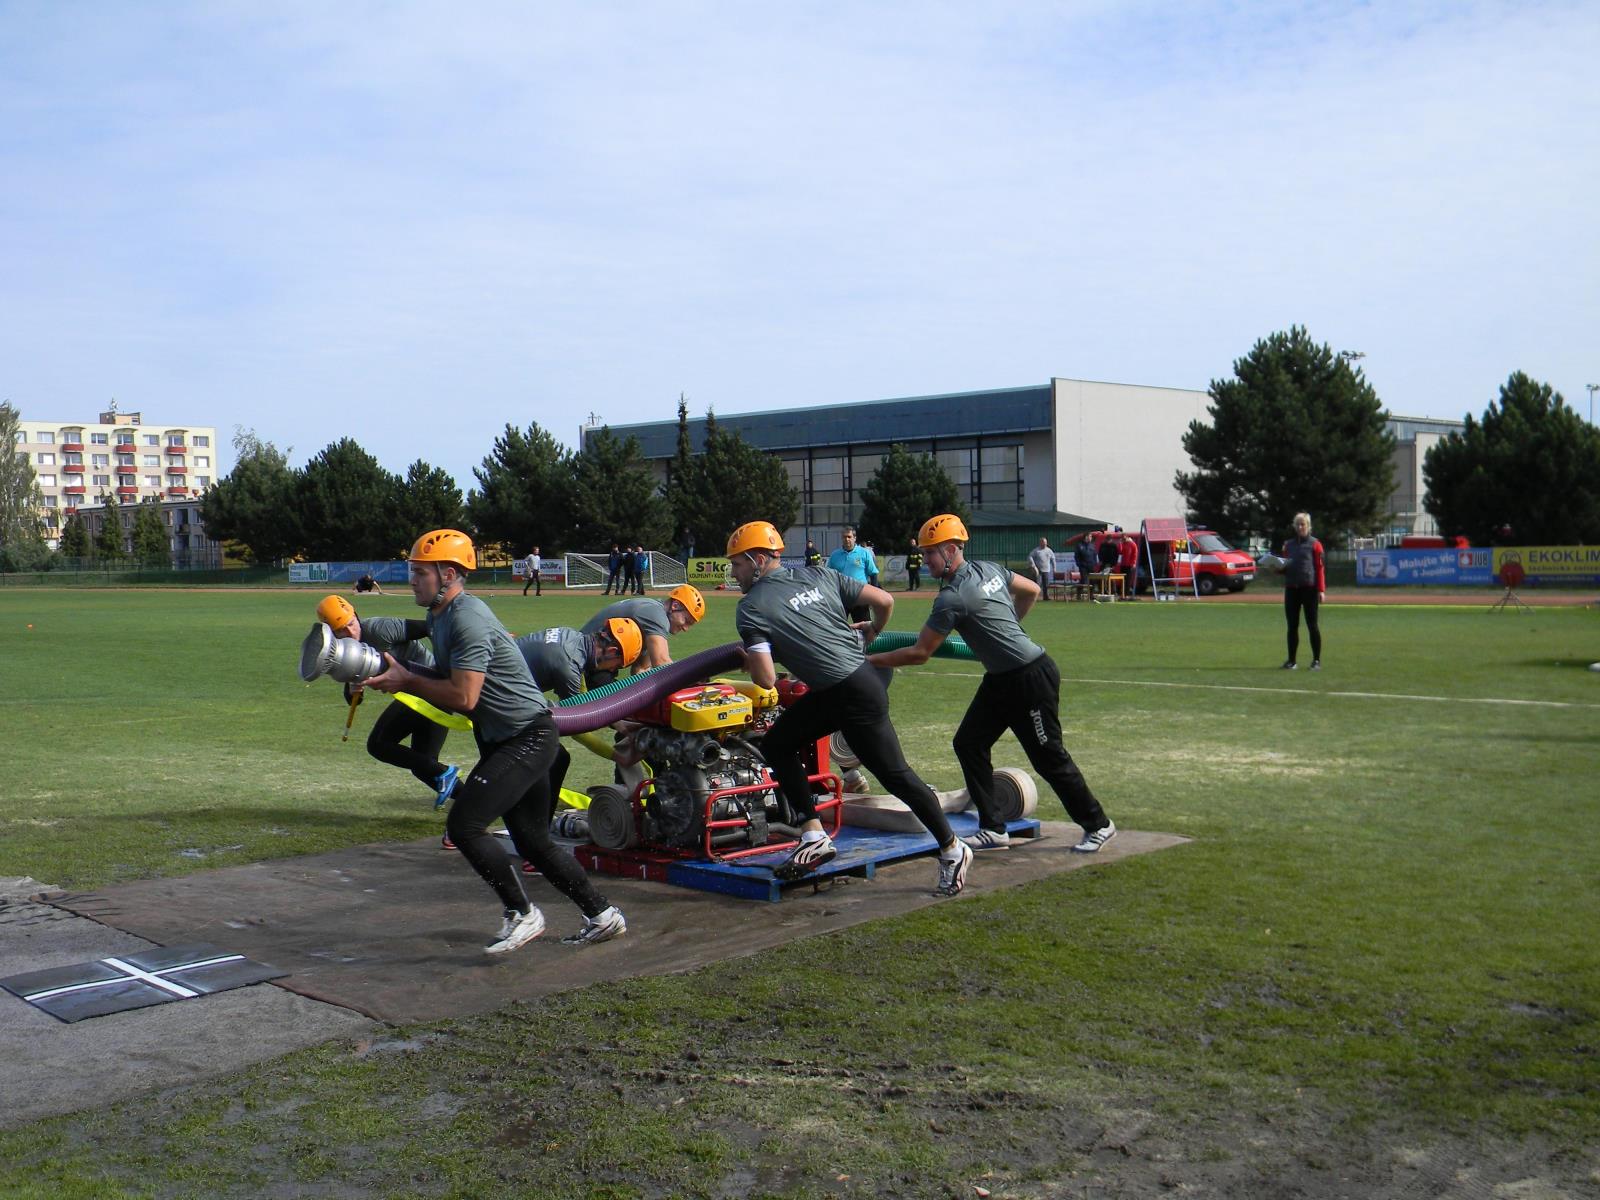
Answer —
558 658
649 612
467 635
976 603
801 615
388 635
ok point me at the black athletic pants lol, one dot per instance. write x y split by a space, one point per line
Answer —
511 781
535 583
913 578
858 707
1295 601
1026 701
386 742
613 580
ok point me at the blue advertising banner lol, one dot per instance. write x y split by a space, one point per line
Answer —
1471 567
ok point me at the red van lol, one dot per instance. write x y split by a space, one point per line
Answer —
1207 560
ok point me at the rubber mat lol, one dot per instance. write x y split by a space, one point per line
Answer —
397 931
160 976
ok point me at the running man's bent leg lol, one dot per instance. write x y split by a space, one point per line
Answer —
986 719
1035 711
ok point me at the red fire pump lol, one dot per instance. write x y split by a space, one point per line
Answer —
709 793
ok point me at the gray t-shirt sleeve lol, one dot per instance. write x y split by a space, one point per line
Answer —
849 590
754 633
947 610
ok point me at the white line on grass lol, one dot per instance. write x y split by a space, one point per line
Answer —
1234 687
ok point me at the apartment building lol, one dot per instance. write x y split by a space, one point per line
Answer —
119 454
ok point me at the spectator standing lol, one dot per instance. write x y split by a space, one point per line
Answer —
531 567
630 570
1043 561
1305 587
1083 557
914 567
1128 564
1110 551
851 561
641 567
813 555
613 570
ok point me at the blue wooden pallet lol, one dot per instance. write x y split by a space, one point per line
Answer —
860 853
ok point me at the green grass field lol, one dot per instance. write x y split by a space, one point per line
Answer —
1382 934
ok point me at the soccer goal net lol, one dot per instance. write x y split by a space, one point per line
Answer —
590 571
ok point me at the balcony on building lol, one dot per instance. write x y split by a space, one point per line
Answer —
177 489
72 468
75 489
73 445
176 469
126 490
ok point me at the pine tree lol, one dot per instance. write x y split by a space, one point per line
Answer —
522 497
151 545
429 499
903 492
731 482
254 507
74 546
347 506
615 497
1529 471
1295 430
110 543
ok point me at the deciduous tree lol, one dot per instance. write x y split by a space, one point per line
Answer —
22 542
1296 429
1528 471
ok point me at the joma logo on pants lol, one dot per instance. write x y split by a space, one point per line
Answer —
1038 726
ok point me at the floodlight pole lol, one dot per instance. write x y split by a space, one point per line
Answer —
1593 388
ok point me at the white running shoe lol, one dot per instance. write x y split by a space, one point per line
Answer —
1093 841
515 930
601 927
989 839
805 858
953 871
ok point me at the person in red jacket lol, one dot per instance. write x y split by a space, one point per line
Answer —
1305 587
1128 564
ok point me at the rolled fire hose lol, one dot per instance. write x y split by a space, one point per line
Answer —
951 647
601 707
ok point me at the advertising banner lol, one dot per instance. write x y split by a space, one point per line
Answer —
1568 565
707 572
1457 568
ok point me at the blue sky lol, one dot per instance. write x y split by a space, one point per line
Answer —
414 223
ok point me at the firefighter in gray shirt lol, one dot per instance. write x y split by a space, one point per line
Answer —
1021 687
800 616
560 658
480 673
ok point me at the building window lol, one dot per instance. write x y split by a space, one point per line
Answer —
175 442
51 501
152 439
73 460
21 456
152 460
202 440
100 460
152 481
47 481
46 460
102 481
203 480
99 439
202 460
45 439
